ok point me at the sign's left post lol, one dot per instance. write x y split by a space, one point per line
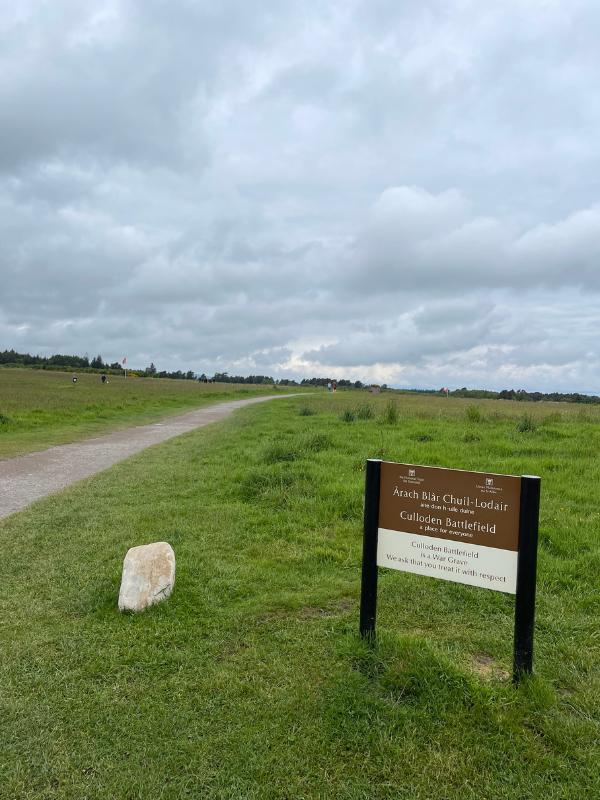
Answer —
368 592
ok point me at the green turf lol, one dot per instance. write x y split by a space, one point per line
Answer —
251 682
39 409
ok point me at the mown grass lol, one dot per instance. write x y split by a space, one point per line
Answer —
39 409
251 682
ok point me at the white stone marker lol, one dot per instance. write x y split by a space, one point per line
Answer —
148 576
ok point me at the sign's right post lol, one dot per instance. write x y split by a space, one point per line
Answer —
526 576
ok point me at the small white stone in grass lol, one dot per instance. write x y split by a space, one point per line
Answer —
148 576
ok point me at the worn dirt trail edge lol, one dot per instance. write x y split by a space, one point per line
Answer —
25 479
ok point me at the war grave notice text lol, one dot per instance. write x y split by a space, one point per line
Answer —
451 524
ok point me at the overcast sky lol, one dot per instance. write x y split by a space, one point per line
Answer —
406 192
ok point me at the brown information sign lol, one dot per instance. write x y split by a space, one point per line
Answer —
451 524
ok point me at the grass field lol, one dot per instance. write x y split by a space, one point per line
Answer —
39 409
251 682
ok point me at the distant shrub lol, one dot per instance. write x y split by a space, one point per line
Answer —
526 424
4 420
306 411
390 413
474 414
348 415
365 411
471 437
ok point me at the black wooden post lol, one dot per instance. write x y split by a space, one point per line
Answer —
526 575
368 592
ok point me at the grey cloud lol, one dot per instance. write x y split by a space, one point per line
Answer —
415 239
459 313
409 341
116 81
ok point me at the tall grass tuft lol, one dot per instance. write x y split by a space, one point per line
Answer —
317 442
474 414
306 411
348 415
527 424
365 411
390 413
276 452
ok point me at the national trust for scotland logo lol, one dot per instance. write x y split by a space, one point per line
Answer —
489 486
410 476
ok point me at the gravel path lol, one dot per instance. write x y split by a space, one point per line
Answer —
25 479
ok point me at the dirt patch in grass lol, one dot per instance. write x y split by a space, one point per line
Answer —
485 666
343 606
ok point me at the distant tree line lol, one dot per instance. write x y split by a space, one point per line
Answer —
178 375
342 383
524 396
225 377
12 358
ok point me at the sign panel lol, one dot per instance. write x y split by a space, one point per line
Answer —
451 524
